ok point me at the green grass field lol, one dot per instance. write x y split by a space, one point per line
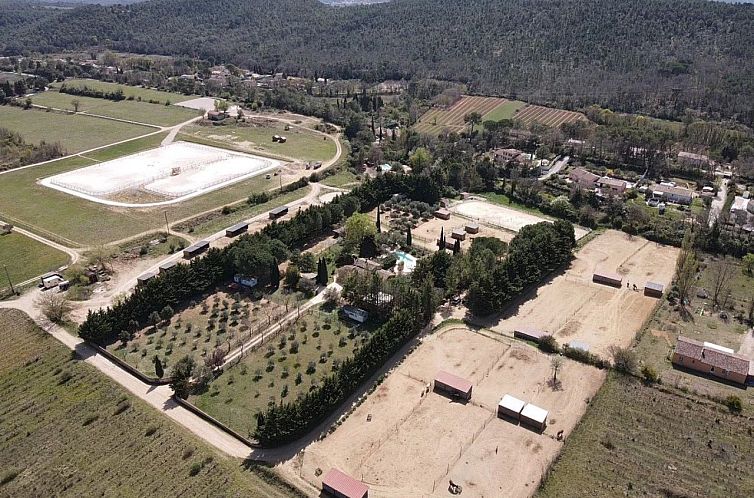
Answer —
340 179
75 132
280 370
505 110
216 221
641 441
78 222
67 430
302 144
128 91
142 112
26 258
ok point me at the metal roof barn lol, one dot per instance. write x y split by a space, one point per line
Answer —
653 289
607 278
342 485
529 333
534 416
236 229
453 384
510 407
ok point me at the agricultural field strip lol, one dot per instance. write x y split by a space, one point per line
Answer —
453 116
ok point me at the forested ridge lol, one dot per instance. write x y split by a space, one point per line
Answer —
655 56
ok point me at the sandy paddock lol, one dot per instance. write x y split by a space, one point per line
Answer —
573 308
416 441
427 233
501 216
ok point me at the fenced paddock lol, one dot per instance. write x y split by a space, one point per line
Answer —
406 440
176 172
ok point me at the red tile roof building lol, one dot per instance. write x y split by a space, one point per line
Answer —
711 359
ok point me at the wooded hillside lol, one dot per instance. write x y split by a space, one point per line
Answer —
655 56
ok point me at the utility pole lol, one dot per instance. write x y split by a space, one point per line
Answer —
167 225
12 289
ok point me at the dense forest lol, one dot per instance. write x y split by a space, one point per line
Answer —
654 56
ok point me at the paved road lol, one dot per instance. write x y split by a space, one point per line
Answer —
559 164
718 202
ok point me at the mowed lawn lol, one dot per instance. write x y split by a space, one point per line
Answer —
506 110
301 144
77 222
75 132
129 91
642 441
142 112
67 430
26 258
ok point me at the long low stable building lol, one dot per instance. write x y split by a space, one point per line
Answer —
145 277
278 212
168 266
653 289
341 485
534 416
529 333
453 385
607 278
195 249
510 407
711 359
237 229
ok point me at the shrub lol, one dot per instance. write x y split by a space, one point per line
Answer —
650 374
624 360
195 468
734 403
548 344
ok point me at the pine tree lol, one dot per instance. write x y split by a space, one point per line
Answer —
408 236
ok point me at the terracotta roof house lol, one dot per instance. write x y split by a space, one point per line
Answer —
711 359
583 178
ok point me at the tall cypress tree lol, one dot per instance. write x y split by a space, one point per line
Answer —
408 236
158 370
441 242
456 247
322 276
275 273
379 224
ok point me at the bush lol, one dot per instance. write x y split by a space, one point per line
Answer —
195 468
548 344
734 403
624 360
650 374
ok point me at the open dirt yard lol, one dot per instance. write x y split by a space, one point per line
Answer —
427 233
573 308
403 441
501 216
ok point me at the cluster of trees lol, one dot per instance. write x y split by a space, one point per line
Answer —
20 87
15 152
254 255
616 54
85 91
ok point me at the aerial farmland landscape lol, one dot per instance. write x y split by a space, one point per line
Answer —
387 249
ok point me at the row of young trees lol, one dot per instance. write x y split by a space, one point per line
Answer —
254 255
286 422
